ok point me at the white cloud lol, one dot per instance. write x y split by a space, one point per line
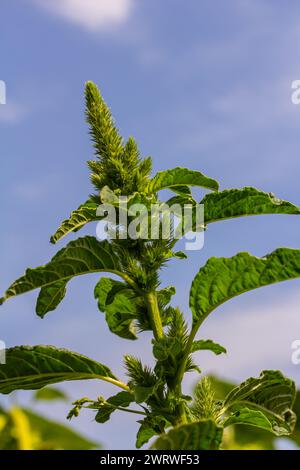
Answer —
91 14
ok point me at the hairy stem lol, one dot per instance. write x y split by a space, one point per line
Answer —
187 350
181 369
154 314
181 415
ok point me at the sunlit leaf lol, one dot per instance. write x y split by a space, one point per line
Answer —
33 367
201 435
222 279
247 201
79 218
209 345
82 256
265 402
180 177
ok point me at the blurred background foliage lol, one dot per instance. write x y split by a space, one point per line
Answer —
24 429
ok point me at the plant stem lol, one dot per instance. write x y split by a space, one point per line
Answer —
121 408
181 415
181 419
128 410
126 278
186 353
154 314
116 382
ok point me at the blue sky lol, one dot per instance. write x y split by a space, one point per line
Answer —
205 85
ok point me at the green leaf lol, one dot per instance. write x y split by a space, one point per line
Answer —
165 295
118 301
144 434
181 199
165 347
181 190
79 218
232 203
250 436
105 291
272 395
180 255
124 308
241 437
108 196
208 344
222 279
50 297
201 435
33 367
180 177
142 394
250 417
82 256
57 436
121 399
50 394
296 408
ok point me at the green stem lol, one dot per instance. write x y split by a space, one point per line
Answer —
118 383
126 278
187 351
154 314
128 410
181 417
121 408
